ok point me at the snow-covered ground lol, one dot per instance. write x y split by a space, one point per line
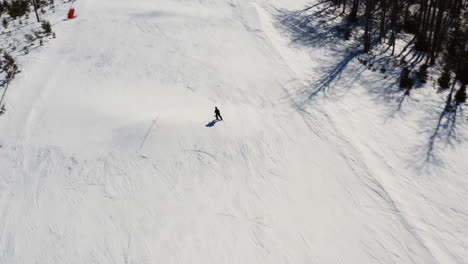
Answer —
109 154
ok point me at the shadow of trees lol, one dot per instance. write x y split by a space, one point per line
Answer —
4 82
444 134
321 26
311 29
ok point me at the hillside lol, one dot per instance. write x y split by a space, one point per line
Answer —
109 154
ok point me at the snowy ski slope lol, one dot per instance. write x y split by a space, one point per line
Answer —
106 154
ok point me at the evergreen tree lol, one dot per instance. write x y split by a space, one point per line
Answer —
460 95
444 79
439 26
46 27
9 64
421 74
18 8
354 11
405 80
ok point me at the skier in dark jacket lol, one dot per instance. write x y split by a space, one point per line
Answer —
218 114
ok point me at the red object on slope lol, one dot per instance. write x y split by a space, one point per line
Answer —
71 13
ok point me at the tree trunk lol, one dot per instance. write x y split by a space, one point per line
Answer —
35 10
393 24
367 27
436 32
354 10
383 4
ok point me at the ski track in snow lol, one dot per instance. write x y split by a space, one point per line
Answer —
281 180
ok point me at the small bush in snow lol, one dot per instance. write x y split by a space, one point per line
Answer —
363 61
421 74
402 61
9 64
444 79
46 27
5 23
405 80
29 38
36 33
347 33
42 3
460 96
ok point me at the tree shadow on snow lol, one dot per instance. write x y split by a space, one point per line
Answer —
310 28
388 94
445 133
438 129
3 90
319 26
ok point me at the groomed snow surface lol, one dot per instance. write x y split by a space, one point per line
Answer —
106 154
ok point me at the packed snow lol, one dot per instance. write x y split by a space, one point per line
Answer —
109 152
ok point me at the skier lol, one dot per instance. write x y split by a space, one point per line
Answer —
218 114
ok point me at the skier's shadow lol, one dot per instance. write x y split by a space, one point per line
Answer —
212 123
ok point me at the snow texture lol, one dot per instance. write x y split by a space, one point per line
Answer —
109 152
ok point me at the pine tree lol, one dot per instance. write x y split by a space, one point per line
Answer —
405 80
444 79
46 27
353 13
9 64
18 8
421 74
460 95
